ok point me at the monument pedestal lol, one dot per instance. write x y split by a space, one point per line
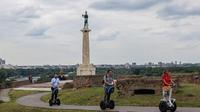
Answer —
83 70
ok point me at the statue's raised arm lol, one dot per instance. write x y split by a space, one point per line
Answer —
85 16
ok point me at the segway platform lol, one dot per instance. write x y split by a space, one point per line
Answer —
164 105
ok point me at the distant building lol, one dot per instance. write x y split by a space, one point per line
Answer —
176 63
127 65
160 64
134 64
180 63
2 62
150 63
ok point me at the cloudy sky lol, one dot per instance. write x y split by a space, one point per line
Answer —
37 32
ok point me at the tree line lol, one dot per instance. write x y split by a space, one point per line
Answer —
46 73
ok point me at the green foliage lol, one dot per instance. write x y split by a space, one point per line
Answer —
4 73
44 78
45 74
149 71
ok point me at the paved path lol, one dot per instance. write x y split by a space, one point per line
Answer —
4 95
34 101
33 89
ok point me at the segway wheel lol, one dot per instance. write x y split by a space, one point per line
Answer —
173 109
163 106
111 104
102 105
58 101
50 103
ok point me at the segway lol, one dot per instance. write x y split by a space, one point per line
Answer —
106 102
165 104
54 100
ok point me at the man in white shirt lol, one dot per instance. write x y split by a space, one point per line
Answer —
54 86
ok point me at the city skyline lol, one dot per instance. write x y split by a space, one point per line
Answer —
41 32
3 62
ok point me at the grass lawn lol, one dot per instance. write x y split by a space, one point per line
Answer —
187 96
12 106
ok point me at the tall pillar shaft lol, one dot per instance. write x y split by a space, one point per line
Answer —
86 68
86 48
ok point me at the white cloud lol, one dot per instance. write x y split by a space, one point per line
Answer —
48 31
107 35
128 5
180 9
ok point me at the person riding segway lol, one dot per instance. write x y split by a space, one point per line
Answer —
108 84
54 91
167 103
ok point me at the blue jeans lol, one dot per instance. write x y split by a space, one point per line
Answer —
107 92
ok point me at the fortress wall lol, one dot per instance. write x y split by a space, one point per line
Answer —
88 81
127 86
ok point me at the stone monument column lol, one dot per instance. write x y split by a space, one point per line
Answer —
86 47
85 68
